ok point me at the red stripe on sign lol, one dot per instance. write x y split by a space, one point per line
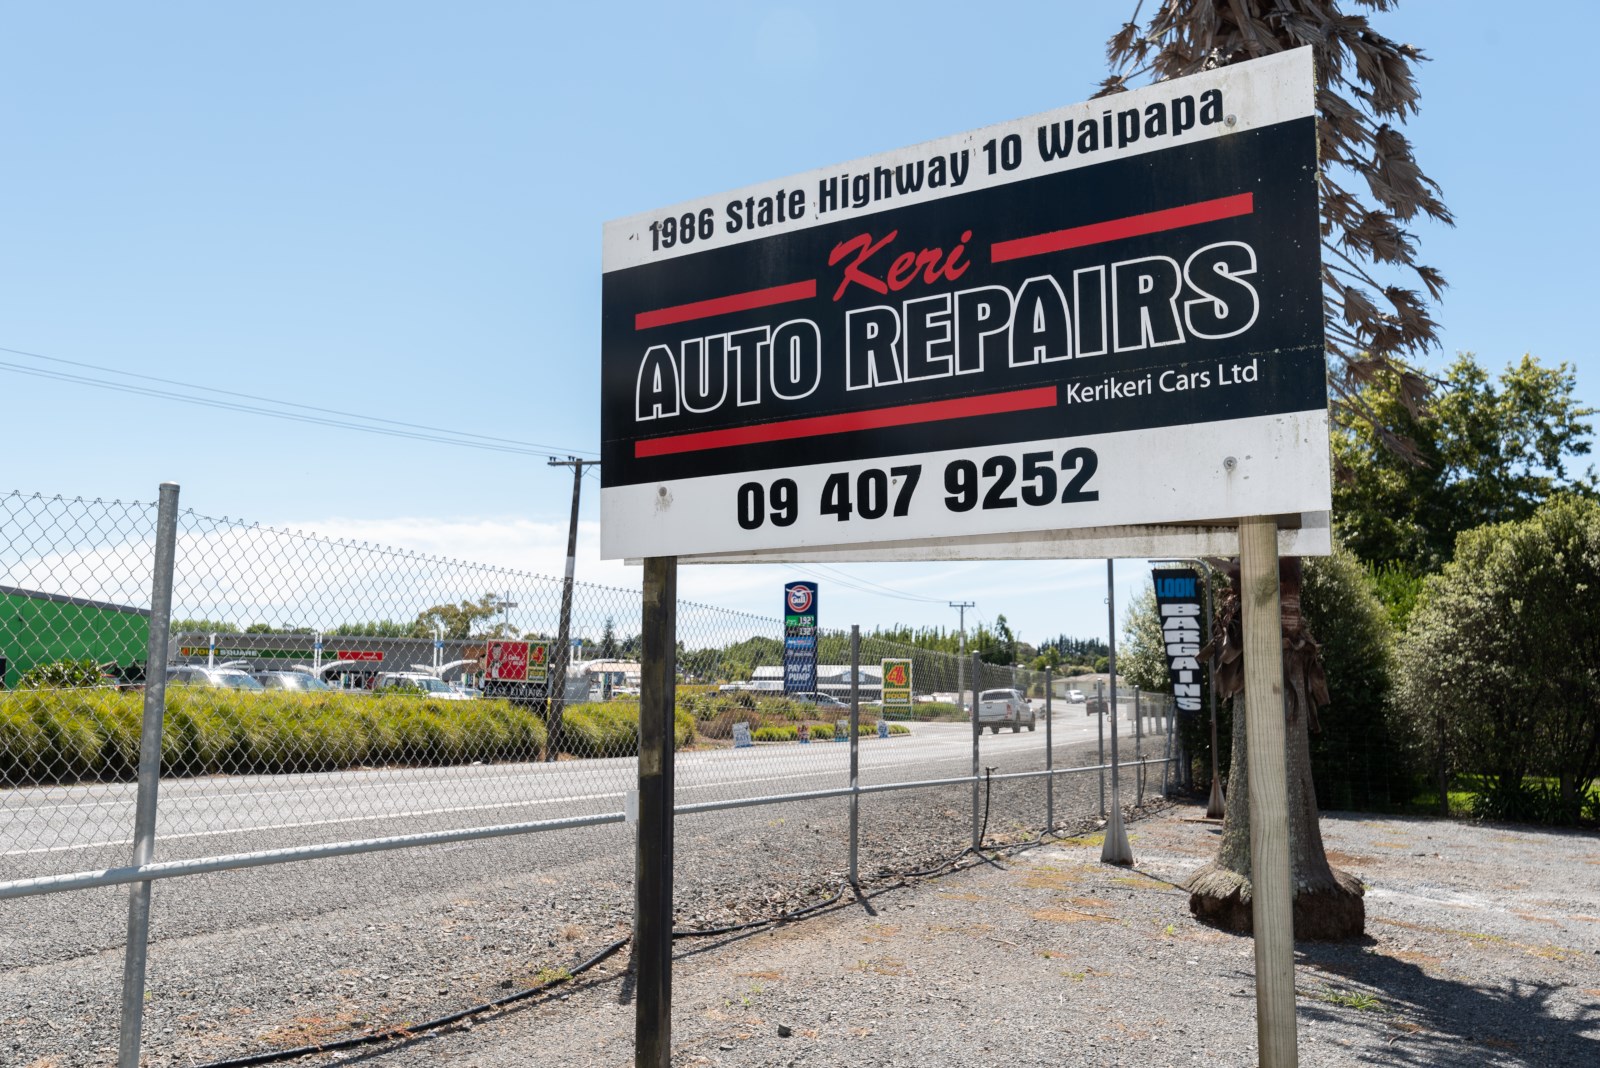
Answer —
705 309
1116 229
1019 400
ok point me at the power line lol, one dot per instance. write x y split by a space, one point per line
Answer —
331 418
849 583
887 590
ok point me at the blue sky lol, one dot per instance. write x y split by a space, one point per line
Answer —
395 210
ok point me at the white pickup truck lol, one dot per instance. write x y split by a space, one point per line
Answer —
1004 708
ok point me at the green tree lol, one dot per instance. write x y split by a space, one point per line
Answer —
736 661
380 628
997 646
1498 666
62 674
1487 452
1398 587
1370 183
469 619
203 626
1142 656
1361 757
608 640
1357 760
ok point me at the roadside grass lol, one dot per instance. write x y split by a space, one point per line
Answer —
1356 999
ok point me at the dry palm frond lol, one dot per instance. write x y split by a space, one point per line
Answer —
1366 83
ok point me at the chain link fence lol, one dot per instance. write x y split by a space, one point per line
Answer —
324 702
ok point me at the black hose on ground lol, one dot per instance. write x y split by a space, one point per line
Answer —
390 1034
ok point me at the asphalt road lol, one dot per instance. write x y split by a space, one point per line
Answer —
50 830
240 959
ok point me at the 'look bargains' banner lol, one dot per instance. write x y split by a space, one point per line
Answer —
1182 632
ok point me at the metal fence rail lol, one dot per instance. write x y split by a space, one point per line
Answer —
136 747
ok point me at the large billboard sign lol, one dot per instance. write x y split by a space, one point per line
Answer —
1103 316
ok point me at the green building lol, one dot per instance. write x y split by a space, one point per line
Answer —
39 628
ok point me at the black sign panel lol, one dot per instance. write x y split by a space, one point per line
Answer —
976 317
1117 333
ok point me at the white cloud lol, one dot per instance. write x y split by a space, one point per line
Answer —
355 570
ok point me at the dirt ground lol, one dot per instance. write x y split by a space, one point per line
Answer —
1482 947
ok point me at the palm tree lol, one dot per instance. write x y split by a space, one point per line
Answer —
1327 902
1375 319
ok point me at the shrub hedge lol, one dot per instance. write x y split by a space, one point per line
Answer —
66 735
792 734
611 728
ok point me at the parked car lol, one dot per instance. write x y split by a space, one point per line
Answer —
1076 697
290 680
821 700
1004 708
419 683
216 678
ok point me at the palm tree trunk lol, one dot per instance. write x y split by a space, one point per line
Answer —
1327 902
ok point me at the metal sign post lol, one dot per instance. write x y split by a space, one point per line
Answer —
1049 757
1115 848
977 732
855 752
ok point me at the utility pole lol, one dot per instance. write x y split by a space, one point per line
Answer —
558 669
961 661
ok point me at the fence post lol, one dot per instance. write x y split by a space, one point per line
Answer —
855 750
144 820
1100 730
1049 758
652 920
1115 848
1166 760
977 731
1138 739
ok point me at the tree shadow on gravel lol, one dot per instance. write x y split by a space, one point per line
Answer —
1445 1023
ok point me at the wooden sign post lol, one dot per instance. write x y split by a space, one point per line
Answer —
1271 902
652 915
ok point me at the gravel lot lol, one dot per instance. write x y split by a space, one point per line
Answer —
1483 948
